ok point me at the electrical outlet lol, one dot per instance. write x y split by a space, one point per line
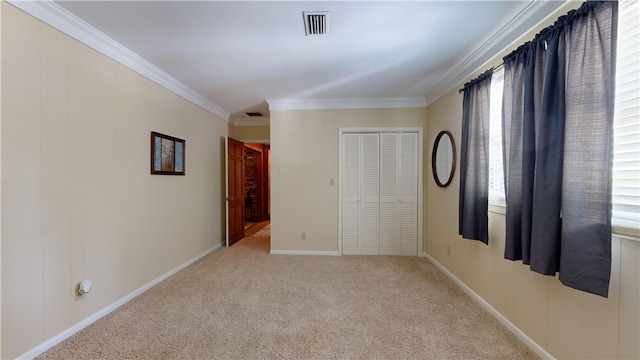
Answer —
304 236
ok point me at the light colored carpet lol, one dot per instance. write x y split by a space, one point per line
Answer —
242 303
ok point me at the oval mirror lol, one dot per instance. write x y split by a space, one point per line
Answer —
443 159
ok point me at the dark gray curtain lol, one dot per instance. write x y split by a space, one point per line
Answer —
557 128
474 160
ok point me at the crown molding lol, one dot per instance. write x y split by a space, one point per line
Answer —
335 104
535 11
61 19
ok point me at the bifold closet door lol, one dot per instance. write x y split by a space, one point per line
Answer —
399 194
360 190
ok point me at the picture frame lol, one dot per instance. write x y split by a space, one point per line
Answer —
167 154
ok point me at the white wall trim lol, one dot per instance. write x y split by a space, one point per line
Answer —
305 252
334 104
61 19
92 318
539 350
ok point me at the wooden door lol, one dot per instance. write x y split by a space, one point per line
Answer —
235 190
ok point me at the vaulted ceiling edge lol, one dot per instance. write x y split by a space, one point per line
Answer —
534 13
59 18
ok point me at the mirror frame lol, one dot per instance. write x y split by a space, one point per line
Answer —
434 154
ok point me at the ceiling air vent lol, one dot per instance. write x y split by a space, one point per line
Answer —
254 114
316 22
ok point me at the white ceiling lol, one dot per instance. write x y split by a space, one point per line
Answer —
239 54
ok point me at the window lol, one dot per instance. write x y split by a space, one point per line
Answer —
496 169
626 161
626 124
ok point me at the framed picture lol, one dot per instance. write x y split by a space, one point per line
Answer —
167 154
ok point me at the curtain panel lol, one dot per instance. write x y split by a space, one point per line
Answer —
473 222
558 107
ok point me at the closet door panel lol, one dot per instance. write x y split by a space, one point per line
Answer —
388 167
360 194
389 193
350 228
350 193
380 193
369 243
407 229
408 195
369 194
370 170
408 172
388 228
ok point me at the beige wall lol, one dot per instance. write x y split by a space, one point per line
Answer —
260 134
231 130
567 323
78 200
304 157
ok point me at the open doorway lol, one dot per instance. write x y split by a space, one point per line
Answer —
256 185
248 197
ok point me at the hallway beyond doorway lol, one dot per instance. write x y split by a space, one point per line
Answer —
253 228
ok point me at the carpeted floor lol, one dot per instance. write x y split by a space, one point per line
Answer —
242 303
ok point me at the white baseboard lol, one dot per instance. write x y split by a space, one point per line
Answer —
92 318
305 252
534 346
